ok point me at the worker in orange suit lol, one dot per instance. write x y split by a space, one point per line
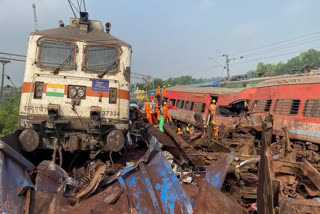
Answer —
158 111
179 132
151 97
164 92
166 114
147 109
212 109
158 94
215 130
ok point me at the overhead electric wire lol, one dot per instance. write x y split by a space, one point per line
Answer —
276 43
283 47
210 58
274 56
79 5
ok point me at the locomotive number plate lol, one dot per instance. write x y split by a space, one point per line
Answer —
110 113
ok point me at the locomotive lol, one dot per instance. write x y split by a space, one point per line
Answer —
293 100
75 93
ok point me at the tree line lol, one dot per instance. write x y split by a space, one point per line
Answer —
310 58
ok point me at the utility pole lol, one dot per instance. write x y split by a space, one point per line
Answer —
227 66
228 63
4 62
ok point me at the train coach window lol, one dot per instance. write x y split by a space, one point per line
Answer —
172 102
191 106
287 106
101 58
311 108
186 106
56 54
262 105
200 107
180 103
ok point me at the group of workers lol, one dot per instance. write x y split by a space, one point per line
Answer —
161 100
160 97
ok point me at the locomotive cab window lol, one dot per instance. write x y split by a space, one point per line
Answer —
101 59
311 108
287 106
56 54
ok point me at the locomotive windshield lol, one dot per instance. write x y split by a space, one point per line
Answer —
56 54
102 59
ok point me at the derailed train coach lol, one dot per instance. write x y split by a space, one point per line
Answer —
294 102
75 93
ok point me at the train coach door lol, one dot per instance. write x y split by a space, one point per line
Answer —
215 98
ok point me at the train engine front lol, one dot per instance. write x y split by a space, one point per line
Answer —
75 93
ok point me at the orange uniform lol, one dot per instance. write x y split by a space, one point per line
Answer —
147 109
212 109
151 97
216 132
164 92
158 91
166 114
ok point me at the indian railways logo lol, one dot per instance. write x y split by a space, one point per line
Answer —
55 90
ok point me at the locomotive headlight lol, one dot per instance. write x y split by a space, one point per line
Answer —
72 92
81 92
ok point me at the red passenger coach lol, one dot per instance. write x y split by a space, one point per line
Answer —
190 100
294 103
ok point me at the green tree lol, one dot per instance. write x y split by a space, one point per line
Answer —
9 113
293 65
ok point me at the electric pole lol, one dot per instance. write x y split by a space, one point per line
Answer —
228 63
227 66
4 62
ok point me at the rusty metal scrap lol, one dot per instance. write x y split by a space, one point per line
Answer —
217 172
265 200
218 202
163 172
309 171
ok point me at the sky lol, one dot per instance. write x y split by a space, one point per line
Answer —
171 38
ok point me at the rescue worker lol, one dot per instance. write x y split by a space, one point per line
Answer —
158 111
166 114
147 109
152 97
215 130
179 131
164 92
189 129
212 109
158 94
